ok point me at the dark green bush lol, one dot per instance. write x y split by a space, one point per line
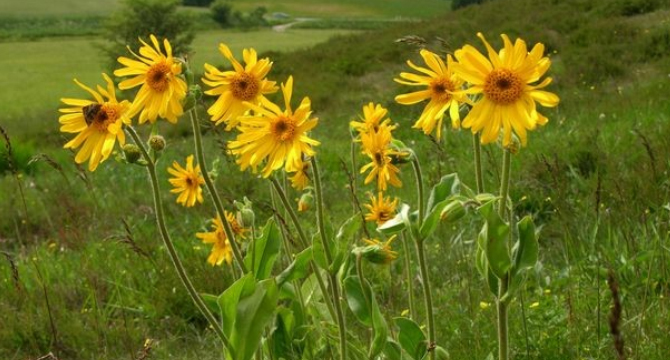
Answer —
198 3
221 12
457 4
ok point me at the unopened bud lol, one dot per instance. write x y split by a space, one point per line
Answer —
194 94
132 153
245 214
453 211
377 252
157 142
306 201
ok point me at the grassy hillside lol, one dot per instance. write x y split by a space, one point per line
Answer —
595 178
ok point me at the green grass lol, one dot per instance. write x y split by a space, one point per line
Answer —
603 148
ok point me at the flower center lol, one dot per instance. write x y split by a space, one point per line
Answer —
245 86
100 115
502 86
440 88
379 158
157 76
283 128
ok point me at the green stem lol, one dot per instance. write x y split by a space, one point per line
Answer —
410 283
160 218
419 186
427 297
334 284
199 153
503 284
302 238
477 147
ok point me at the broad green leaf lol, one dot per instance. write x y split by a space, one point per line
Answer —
397 224
526 250
448 185
230 297
435 215
254 312
212 302
298 268
495 232
356 300
441 353
411 338
265 251
393 351
345 237
379 326
318 252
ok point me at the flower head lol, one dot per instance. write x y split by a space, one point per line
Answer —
162 89
374 117
300 179
505 80
98 123
234 88
441 89
221 249
187 182
378 252
377 146
278 137
381 209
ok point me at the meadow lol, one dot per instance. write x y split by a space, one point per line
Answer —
84 275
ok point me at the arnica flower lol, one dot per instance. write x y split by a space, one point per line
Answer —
300 179
163 89
98 123
278 137
374 117
187 182
242 84
221 249
381 209
378 252
377 146
441 89
505 80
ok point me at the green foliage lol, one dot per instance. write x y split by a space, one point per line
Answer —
141 18
457 4
33 28
249 20
221 11
198 3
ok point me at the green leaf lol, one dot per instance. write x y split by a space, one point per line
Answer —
441 353
298 268
448 185
356 300
265 251
526 250
392 350
495 232
411 338
397 224
247 307
318 252
380 328
211 301
434 215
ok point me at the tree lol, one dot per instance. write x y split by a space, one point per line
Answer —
141 18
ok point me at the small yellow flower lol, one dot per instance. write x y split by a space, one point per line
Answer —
374 117
505 79
381 209
442 88
378 252
163 89
484 305
377 146
187 182
234 88
300 179
221 249
98 123
278 137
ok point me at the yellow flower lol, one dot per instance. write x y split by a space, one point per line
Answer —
373 119
221 249
442 87
378 252
162 89
242 84
98 123
504 79
381 208
276 136
187 182
300 179
377 147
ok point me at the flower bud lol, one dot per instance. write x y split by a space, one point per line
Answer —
192 96
245 214
306 201
377 252
452 212
132 153
157 143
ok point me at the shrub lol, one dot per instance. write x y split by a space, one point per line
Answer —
221 12
198 3
139 19
457 4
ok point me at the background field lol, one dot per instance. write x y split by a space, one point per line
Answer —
595 177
